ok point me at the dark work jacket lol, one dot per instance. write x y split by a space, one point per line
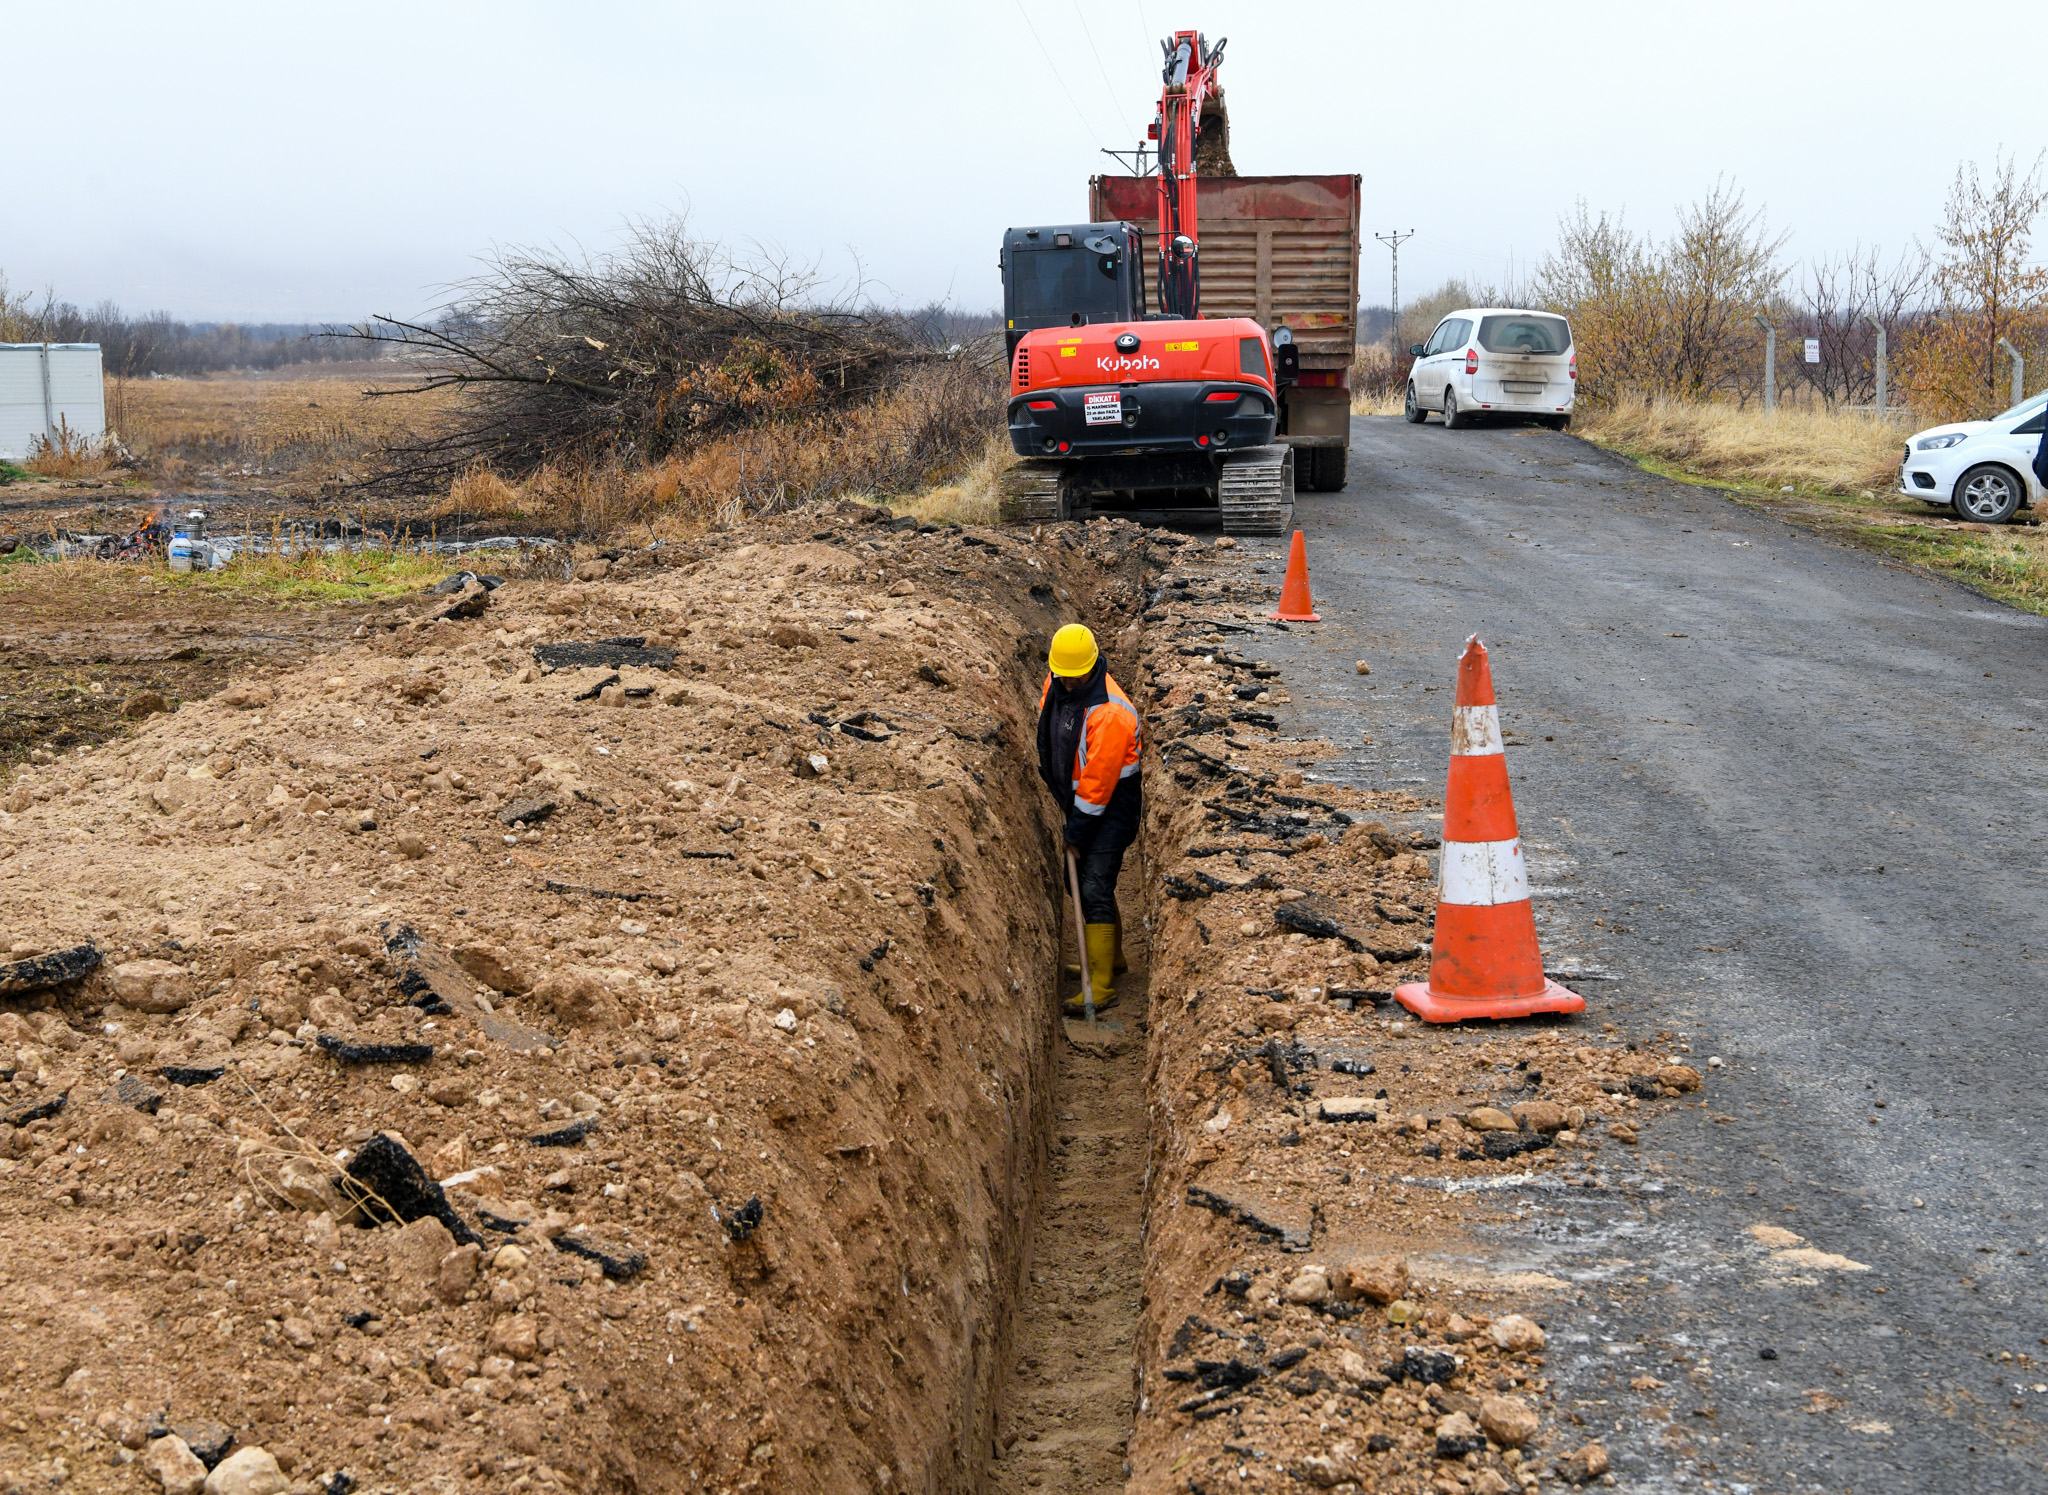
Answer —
1097 713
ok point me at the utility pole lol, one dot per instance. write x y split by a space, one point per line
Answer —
1770 364
1878 328
1394 240
2019 370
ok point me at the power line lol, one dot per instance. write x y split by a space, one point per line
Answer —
1114 101
1072 102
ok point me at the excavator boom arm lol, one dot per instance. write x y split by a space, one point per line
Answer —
1188 79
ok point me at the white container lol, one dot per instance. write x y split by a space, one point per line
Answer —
183 549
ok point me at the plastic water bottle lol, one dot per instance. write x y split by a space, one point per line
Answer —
181 550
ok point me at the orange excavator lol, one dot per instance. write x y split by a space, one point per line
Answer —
1162 416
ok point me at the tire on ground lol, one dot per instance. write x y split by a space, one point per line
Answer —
1325 473
1988 494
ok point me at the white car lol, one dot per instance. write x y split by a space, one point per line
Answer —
1983 469
1495 360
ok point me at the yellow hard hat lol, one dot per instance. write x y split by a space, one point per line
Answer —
1073 651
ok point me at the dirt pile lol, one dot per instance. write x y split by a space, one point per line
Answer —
1313 1145
688 1017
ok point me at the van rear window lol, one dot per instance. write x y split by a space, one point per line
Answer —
1524 334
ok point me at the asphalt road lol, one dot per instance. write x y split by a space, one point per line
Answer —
1785 798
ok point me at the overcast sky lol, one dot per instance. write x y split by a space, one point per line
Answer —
315 161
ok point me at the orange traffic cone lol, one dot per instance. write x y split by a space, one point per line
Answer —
1295 606
1483 961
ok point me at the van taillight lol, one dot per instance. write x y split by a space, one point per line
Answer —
1471 360
1575 366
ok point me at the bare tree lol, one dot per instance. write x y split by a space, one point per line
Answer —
1988 289
1839 297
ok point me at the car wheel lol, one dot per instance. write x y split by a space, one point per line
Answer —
1415 413
1455 418
1558 422
1987 494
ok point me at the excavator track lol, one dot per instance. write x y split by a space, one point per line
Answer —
1031 493
1255 495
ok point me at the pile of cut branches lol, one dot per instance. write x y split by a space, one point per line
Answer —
634 357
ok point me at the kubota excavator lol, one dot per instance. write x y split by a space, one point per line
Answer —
1160 416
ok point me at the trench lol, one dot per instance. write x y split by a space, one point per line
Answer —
1065 1399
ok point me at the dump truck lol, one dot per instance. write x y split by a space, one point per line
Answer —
1283 251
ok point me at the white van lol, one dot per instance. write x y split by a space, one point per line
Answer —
1495 360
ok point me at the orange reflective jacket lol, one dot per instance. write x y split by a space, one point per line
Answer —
1087 762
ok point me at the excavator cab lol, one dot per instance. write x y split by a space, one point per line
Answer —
1070 275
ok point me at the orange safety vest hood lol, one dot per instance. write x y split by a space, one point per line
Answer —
1088 755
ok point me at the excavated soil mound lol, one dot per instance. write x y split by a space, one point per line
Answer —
613 1077
1317 1153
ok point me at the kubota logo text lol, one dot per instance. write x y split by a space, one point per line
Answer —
1120 365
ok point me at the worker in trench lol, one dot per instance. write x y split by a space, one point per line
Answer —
1088 756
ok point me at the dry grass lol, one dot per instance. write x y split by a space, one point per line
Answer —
925 447
968 499
265 423
1385 402
66 453
1810 450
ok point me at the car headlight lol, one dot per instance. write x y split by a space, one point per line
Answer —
1937 443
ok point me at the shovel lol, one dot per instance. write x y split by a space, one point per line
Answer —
1081 936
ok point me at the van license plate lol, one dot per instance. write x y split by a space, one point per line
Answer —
1104 409
1521 387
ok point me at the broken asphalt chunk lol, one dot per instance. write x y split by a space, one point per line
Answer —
427 974
376 1053
470 602
1290 1228
1499 1145
54 969
1420 1363
743 1221
132 1092
387 1183
617 1269
567 1136
610 654
1309 918
532 811
181 1074
23 1115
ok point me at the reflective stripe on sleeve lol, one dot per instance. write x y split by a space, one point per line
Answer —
1479 873
1087 809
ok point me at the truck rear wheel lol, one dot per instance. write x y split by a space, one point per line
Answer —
1255 491
1032 492
1325 472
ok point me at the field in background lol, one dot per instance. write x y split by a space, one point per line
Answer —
310 420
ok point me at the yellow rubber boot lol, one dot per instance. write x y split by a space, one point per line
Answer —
1101 954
